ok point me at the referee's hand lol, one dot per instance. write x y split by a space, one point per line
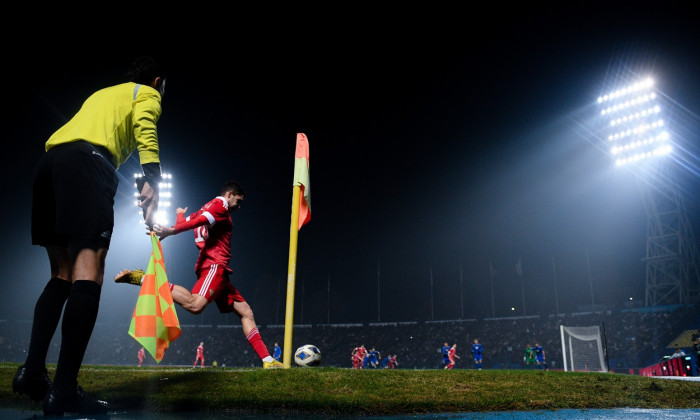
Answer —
148 201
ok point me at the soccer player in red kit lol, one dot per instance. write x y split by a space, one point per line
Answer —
358 356
356 361
140 355
200 354
213 227
452 355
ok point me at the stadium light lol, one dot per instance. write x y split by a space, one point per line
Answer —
635 123
165 188
636 134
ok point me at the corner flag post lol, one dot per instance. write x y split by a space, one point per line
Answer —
301 214
291 280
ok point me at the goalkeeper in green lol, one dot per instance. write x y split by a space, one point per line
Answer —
529 356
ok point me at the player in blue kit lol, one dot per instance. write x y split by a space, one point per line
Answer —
277 353
445 351
372 358
540 356
477 353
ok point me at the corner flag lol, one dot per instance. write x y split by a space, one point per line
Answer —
301 215
154 323
302 178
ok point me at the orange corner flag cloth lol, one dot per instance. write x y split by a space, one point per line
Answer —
302 178
154 323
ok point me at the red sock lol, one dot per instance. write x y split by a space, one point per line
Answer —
256 342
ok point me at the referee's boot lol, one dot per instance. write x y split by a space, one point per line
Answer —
34 384
57 403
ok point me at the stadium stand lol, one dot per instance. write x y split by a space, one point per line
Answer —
635 338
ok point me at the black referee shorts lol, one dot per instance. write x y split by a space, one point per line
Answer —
73 197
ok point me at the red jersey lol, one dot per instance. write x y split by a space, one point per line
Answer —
212 226
360 351
451 354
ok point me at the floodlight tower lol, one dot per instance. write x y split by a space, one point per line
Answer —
165 194
638 137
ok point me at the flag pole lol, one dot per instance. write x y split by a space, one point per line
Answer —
291 277
301 214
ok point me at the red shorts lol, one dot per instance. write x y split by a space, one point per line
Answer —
214 285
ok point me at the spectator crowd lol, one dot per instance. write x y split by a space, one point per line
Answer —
634 338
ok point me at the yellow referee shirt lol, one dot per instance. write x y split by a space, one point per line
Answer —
121 118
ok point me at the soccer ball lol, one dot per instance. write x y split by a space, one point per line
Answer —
307 355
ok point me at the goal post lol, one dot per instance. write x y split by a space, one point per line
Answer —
583 349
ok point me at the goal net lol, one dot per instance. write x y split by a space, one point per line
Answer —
583 349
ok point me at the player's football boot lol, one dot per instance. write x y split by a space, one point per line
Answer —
272 365
130 276
35 385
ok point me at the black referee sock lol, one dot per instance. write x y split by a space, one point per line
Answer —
78 322
47 313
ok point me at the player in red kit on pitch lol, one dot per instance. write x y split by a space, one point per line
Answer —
213 226
358 356
452 355
200 355
356 360
140 355
392 362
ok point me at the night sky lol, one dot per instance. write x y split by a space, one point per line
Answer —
440 143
